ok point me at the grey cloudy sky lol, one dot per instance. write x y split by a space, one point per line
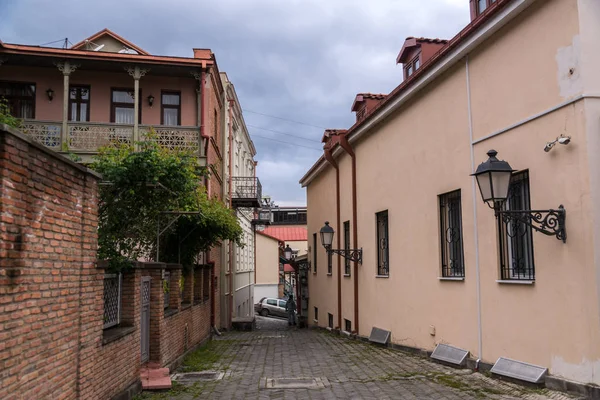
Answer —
302 60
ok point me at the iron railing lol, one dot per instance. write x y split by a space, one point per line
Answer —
246 191
112 300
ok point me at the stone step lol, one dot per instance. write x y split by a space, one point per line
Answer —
155 378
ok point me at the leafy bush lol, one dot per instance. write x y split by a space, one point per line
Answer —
5 115
138 187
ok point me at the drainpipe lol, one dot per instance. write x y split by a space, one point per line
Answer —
203 134
475 227
331 160
230 103
254 231
213 293
346 146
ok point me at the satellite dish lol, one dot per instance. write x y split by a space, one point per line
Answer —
126 50
98 48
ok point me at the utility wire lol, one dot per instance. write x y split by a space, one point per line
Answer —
288 143
283 133
284 119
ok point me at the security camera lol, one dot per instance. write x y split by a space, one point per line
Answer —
548 146
564 139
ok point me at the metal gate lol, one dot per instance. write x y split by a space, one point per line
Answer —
145 323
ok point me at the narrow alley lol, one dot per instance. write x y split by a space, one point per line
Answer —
275 362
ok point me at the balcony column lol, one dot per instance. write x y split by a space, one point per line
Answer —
198 76
137 73
66 68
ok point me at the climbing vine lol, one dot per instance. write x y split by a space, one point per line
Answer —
138 187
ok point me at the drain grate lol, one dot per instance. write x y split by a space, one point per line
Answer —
294 383
189 378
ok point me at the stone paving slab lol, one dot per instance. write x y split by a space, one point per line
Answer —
343 368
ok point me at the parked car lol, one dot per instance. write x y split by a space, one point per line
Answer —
271 306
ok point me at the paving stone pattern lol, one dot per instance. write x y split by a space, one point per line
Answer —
342 368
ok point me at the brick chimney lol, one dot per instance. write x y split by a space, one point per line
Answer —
202 53
365 102
417 51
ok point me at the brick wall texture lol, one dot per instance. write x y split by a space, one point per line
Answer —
52 341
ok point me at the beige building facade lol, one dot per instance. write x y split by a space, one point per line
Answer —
437 265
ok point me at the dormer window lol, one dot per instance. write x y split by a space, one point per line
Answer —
483 5
412 66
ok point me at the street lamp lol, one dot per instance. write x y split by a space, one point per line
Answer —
327 233
493 179
287 252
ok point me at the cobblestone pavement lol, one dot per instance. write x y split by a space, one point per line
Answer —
342 369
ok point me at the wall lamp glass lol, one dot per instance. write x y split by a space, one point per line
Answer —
150 100
327 233
50 94
493 179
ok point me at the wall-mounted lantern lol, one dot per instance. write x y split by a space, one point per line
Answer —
493 178
50 94
150 100
327 233
288 252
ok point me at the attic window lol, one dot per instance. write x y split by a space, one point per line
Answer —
482 5
412 66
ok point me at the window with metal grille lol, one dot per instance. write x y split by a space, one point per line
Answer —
329 263
515 238
346 247
451 235
20 97
197 285
316 314
347 325
330 320
112 300
206 283
314 249
383 251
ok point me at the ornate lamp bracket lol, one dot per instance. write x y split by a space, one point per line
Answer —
354 255
549 222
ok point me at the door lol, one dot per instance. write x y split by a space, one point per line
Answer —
145 323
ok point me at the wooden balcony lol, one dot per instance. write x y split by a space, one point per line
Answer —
85 138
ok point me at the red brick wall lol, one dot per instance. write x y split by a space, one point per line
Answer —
47 274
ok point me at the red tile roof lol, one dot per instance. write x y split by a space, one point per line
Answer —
288 268
286 234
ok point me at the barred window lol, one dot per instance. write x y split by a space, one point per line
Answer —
112 300
347 246
316 314
330 320
383 252
515 238
451 235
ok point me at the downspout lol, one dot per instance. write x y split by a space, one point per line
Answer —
230 179
254 231
475 228
203 134
331 160
346 146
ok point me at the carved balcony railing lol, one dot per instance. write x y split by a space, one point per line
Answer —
175 137
89 136
246 192
47 133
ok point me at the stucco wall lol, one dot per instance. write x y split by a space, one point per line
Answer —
423 150
267 260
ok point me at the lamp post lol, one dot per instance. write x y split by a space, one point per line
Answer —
493 179
288 252
327 233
